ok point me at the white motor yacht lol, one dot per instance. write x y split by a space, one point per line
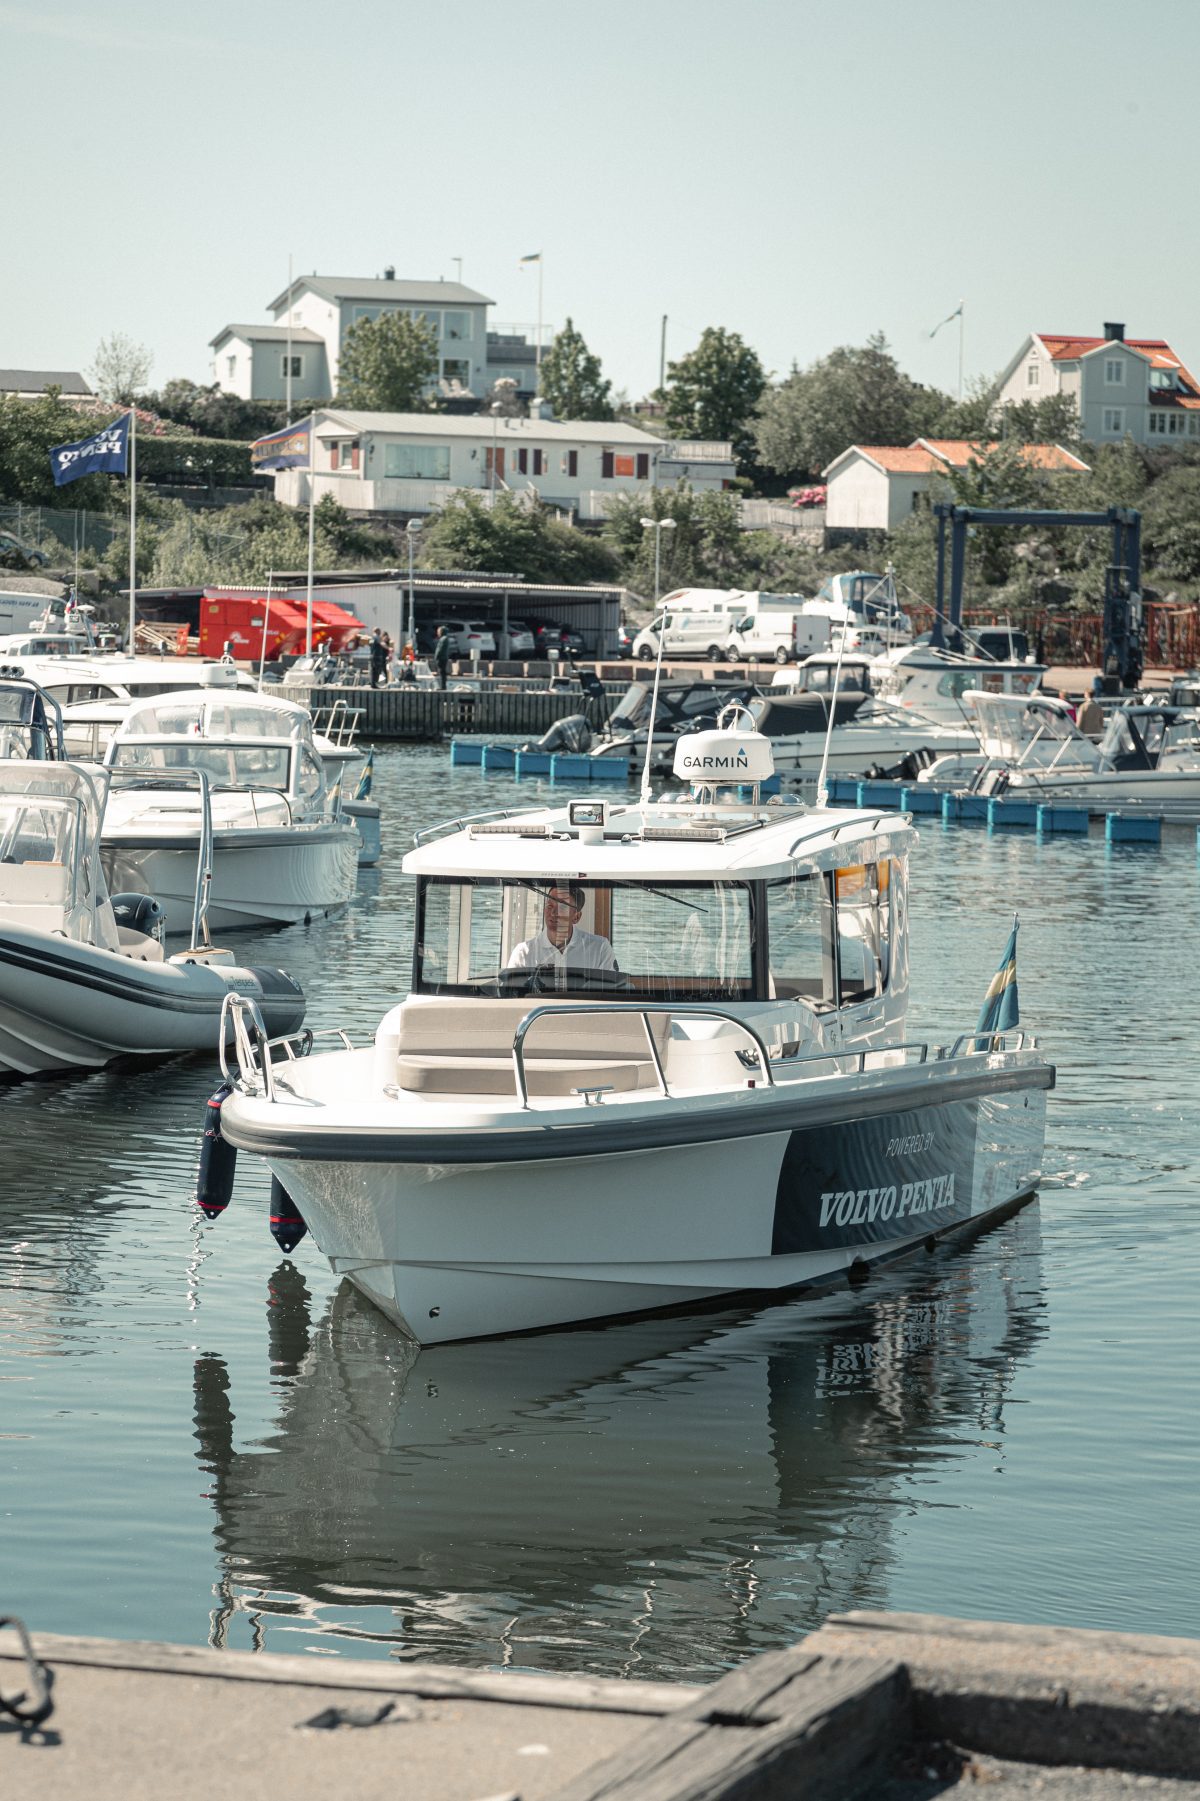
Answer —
1148 758
83 974
282 850
714 1092
931 680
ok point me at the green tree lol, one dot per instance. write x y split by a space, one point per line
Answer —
571 379
387 363
515 537
29 429
705 548
852 396
209 412
1052 420
714 390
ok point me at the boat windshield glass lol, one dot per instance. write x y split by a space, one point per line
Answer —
37 830
225 765
221 719
688 941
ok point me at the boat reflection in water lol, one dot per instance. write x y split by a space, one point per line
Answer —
657 1497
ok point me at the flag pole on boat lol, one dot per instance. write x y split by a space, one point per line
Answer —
131 646
823 778
312 492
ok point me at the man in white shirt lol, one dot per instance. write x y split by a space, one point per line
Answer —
560 944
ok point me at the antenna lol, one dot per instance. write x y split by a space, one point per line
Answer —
823 778
662 636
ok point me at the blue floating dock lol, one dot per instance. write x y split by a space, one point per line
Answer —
843 791
923 798
878 794
464 751
1005 814
499 756
1062 819
533 762
1124 828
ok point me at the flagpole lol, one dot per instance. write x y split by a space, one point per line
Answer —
312 501
962 316
288 371
539 336
132 645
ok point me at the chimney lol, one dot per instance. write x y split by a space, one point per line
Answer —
1114 333
389 274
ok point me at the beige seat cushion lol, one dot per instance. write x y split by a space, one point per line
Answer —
464 1072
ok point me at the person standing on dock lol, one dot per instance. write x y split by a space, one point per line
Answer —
441 656
378 658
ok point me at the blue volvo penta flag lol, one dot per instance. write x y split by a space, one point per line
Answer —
286 449
1001 1010
108 449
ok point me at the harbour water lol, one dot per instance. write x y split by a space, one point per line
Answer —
201 1443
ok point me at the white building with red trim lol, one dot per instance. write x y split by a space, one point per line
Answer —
1122 387
414 462
875 487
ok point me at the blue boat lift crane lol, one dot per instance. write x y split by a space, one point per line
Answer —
1122 578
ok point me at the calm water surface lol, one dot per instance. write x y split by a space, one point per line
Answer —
201 1443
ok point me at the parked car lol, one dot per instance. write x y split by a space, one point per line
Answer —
776 637
624 640
466 635
15 555
521 642
552 635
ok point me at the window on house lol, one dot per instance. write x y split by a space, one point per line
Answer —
539 463
643 465
348 454
572 462
623 465
365 312
1114 371
1156 424
607 461
297 363
455 368
916 499
1176 425
431 319
522 461
457 326
1033 375
231 364
1193 426
417 462
1163 380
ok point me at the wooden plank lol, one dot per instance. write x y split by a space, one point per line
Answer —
783 1726
433 1681
1040 1694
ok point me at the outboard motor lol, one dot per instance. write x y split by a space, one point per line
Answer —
218 1160
140 913
287 1221
573 734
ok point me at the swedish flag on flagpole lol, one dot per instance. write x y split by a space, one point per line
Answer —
1001 1008
363 790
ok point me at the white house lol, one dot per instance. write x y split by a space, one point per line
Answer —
873 487
414 462
318 311
1122 387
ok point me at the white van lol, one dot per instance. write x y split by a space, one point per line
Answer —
772 637
684 634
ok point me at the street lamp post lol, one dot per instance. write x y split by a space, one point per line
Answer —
658 527
412 531
495 411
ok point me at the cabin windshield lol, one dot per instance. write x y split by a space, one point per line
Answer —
687 941
225 765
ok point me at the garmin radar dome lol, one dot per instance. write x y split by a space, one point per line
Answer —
727 755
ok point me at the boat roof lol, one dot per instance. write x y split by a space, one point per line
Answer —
39 782
670 841
216 713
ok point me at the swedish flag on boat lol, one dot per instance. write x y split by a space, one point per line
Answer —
1001 1010
363 790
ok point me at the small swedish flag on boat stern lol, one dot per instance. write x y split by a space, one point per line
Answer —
1001 1009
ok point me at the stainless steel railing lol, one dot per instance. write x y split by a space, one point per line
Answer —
559 1009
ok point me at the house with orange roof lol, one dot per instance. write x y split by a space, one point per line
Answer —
1122 387
874 487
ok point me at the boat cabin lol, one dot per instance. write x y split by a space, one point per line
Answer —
1028 730
240 741
787 919
50 875
1151 737
682 706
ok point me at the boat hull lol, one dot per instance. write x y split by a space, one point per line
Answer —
267 877
66 1006
661 1205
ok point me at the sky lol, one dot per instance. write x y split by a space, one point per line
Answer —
803 174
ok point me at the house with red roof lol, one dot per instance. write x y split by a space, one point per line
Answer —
874 487
1122 387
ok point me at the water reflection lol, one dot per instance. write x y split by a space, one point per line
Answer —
657 1496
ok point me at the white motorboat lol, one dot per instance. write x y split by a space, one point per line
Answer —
282 849
930 680
713 1093
83 975
1148 758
